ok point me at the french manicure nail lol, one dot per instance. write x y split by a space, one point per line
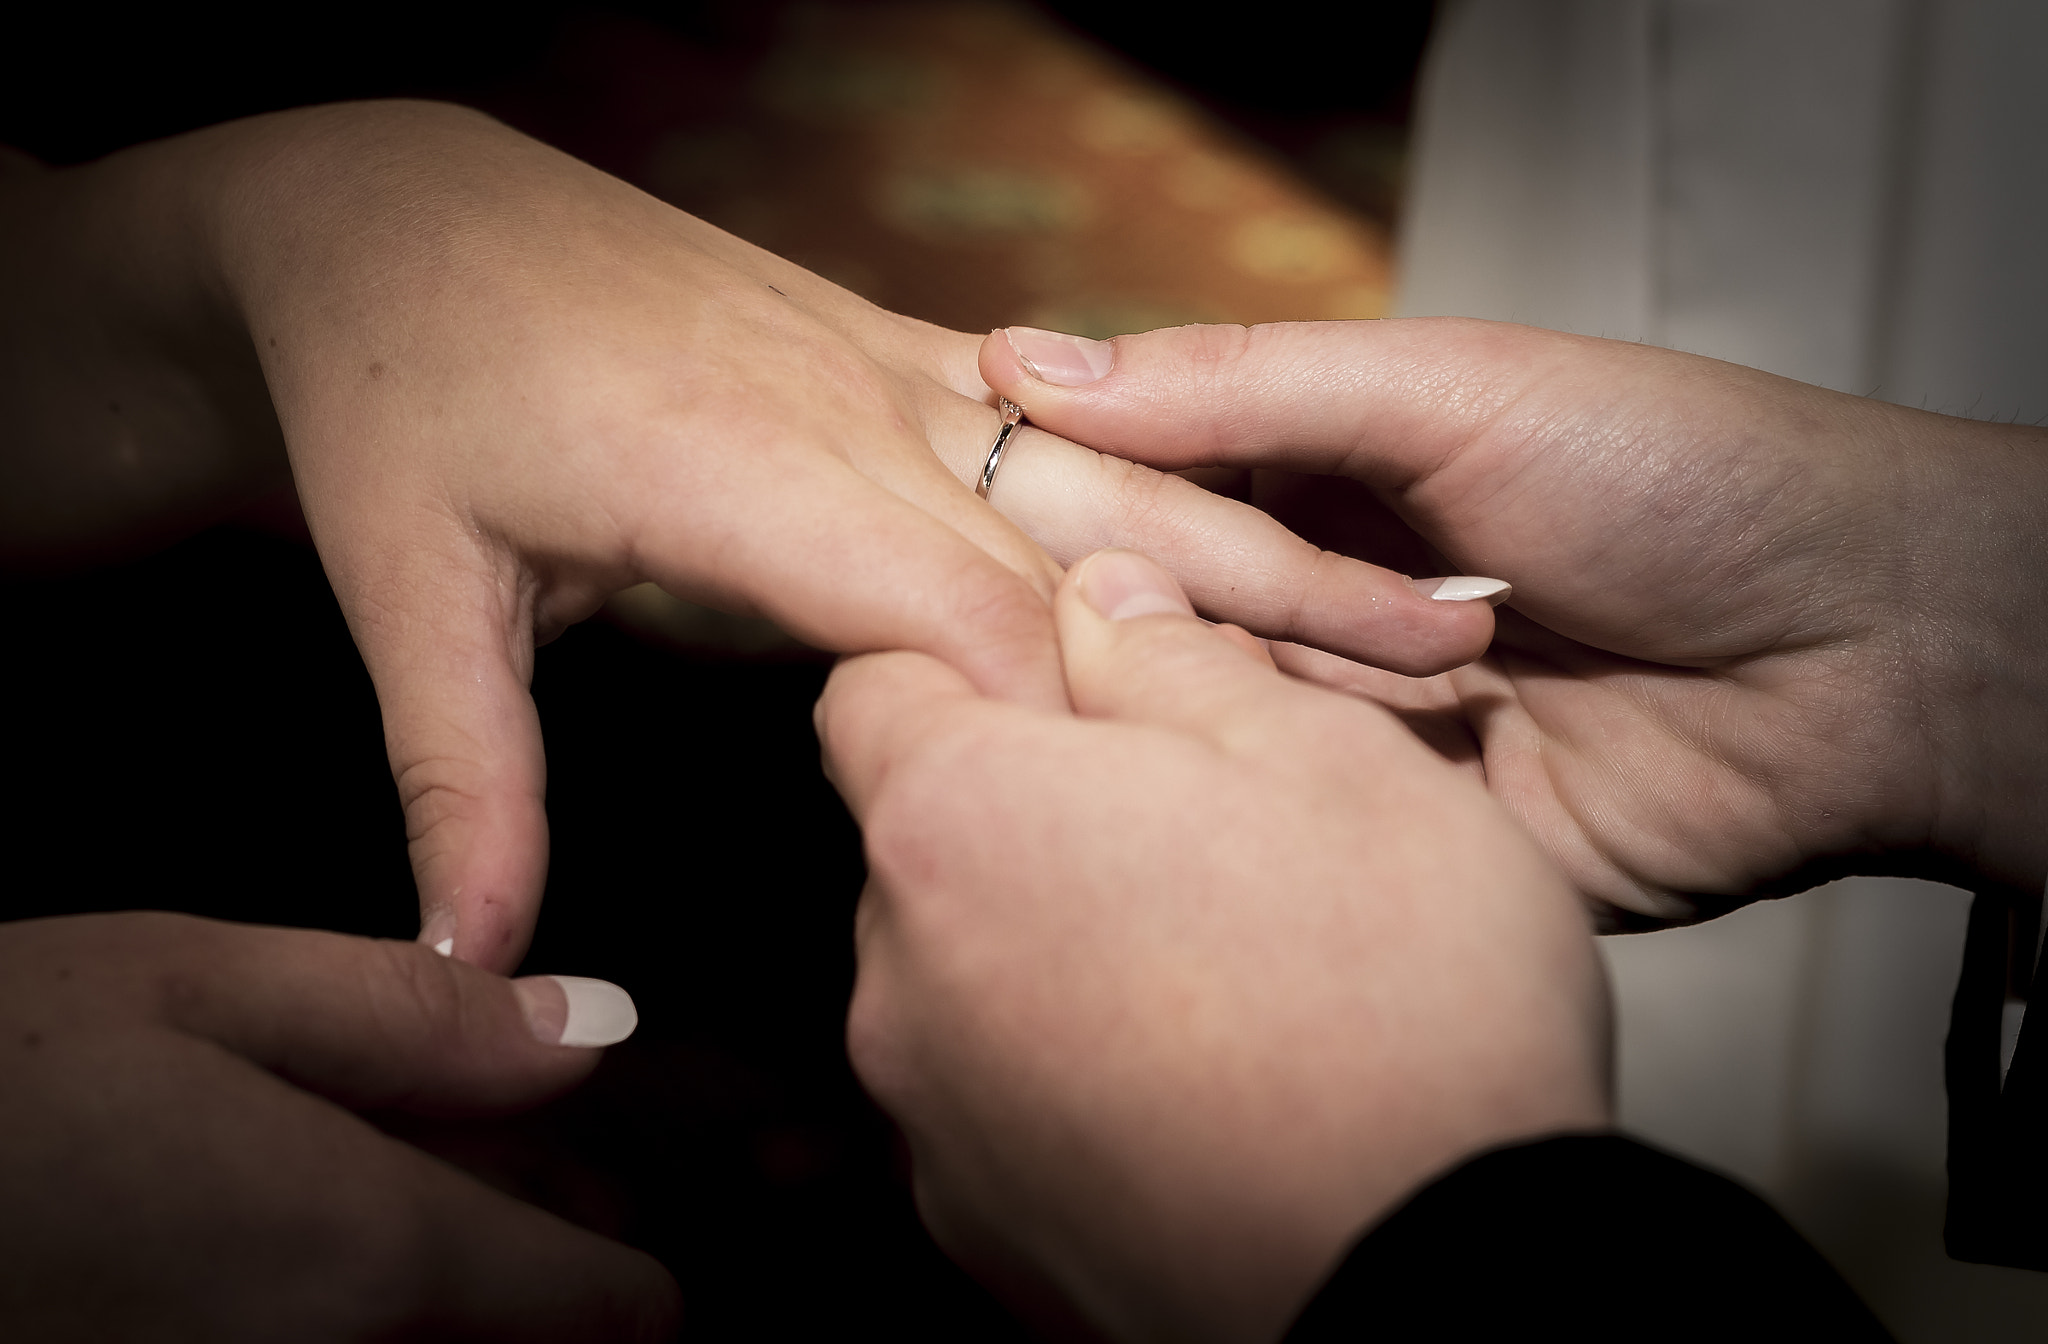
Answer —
576 1010
1465 588
1057 358
437 931
1123 584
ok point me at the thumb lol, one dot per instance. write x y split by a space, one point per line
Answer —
1135 651
1387 402
450 651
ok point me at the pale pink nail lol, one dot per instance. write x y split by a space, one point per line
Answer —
1123 584
1056 358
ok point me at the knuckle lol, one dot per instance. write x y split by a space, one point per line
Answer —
1142 499
879 1032
872 1047
415 1002
922 805
1304 599
433 792
898 835
1216 353
412 985
1213 345
997 601
379 1251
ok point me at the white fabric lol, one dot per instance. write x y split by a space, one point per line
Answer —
1849 192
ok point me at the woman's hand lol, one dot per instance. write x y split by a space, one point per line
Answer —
1174 999
1760 631
176 1160
510 385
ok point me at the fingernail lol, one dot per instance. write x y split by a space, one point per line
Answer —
437 931
1465 588
1123 584
1056 358
576 1010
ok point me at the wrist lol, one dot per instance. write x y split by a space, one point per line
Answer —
138 409
302 207
1976 636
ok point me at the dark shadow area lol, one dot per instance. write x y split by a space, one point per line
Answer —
1326 87
195 732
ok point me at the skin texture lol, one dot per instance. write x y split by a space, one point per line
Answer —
1761 634
504 386
178 1159
1172 999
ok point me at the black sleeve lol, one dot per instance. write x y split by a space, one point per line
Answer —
1587 1238
1998 1129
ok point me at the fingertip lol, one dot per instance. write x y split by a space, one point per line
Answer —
1113 639
480 865
1440 633
437 929
1118 584
1002 370
1156 661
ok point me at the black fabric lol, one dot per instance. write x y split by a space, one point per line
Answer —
1997 1167
1588 1238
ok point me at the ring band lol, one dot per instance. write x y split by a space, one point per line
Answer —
1013 415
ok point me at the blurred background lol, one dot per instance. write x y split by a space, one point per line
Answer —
196 732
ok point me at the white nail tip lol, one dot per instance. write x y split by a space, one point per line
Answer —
446 947
600 1013
1471 588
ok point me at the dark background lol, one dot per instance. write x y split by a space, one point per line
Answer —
195 731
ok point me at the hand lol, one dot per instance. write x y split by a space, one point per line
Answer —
1174 999
510 385
175 1159
1761 633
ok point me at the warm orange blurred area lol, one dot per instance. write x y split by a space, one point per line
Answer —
974 164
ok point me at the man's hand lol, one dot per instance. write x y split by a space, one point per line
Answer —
176 1162
510 385
1761 633
1174 999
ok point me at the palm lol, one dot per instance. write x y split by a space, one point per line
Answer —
1650 783
1698 678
